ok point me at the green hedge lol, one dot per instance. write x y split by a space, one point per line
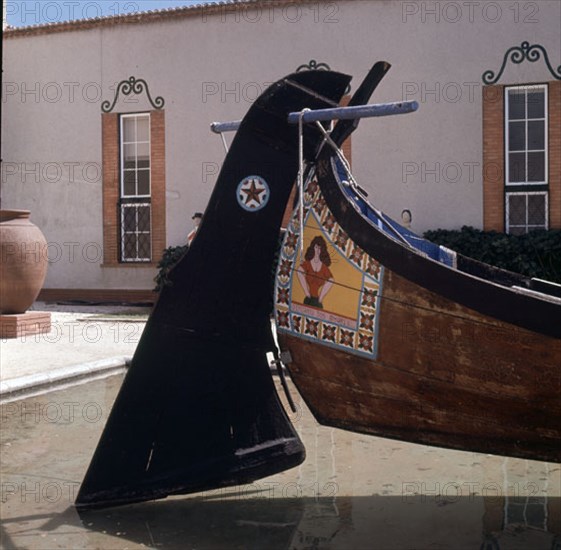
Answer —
535 254
171 255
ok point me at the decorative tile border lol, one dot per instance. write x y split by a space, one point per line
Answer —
358 335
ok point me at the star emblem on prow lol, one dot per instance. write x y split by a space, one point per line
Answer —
253 193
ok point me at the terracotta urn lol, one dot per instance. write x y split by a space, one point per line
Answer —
23 261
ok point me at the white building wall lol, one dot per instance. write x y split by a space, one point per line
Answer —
210 67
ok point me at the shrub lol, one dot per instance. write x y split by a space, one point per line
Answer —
535 254
171 255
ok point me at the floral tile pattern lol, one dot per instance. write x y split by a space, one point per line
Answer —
357 335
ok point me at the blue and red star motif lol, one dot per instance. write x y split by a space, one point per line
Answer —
253 193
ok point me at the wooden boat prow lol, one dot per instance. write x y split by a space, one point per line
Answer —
198 408
415 347
436 351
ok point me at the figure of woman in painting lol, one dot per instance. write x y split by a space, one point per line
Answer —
314 274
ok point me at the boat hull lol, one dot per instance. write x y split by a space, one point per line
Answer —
384 355
436 381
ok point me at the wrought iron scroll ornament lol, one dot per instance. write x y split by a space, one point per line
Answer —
517 55
313 65
132 86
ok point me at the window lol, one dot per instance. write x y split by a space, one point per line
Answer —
135 232
526 181
526 135
525 212
135 189
521 156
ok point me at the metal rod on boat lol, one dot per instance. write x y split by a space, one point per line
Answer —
337 113
357 111
220 127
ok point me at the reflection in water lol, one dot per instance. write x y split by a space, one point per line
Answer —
347 522
531 518
200 523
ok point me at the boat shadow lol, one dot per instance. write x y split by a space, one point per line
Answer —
244 520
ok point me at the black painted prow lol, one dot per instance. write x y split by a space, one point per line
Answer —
198 409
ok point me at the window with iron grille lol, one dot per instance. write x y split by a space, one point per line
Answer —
526 135
526 162
525 212
135 192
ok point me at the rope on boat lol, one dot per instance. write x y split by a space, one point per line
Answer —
280 372
301 177
356 187
224 142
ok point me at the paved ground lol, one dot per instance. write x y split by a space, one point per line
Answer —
83 340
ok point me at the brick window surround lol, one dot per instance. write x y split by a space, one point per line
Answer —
111 189
494 193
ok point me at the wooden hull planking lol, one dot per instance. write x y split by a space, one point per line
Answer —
411 364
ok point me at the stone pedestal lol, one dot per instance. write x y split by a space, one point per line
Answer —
16 325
